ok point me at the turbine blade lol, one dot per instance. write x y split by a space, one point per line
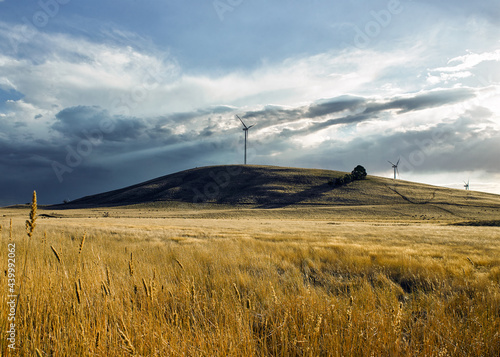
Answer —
241 121
390 163
397 163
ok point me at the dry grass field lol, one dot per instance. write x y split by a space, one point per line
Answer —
393 279
182 283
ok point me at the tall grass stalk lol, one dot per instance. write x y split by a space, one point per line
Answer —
30 229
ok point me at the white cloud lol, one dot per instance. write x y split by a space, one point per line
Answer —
469 61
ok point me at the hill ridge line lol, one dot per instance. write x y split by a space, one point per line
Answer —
274 187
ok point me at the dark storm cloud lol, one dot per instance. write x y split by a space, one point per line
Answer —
74 165
317 126
422 101
334 105
195 114
349 119
276 114
81 120
273 114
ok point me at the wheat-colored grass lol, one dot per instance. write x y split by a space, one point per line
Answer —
264 286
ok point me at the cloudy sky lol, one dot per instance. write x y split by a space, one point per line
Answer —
98 95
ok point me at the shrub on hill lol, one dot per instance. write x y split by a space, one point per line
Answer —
359 173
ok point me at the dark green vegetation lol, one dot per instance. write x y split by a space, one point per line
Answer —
359 173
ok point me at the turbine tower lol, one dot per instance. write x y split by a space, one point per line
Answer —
395 167
245 129
466 185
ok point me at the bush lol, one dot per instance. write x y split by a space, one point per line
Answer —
359 173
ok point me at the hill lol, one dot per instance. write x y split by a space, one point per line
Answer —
279 187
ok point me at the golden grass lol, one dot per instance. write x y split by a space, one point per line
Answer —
31 223
263 286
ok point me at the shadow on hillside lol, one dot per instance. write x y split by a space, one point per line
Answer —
309 194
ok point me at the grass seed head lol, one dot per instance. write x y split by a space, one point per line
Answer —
82 243
31 223
77 290
56 254
146 288
237 292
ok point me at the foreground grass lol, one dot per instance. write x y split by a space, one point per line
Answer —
215 292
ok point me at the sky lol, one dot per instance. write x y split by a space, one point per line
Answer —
99 95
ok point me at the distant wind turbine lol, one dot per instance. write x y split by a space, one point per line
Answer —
245 129
466 185
395 167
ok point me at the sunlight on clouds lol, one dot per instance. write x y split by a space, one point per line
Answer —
482 69
296 80
313 140
470 60
447 77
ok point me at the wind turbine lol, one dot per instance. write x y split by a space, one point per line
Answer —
245 129
395 167
466 185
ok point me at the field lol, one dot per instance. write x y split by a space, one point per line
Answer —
223 281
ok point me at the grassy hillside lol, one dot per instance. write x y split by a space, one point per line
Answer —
267 187
251 185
